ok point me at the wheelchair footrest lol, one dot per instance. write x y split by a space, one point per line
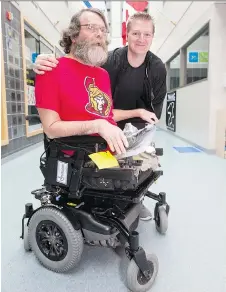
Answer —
28 213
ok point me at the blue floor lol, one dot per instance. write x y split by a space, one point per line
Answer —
192 255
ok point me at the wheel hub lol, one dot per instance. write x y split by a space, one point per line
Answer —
143 279
51 240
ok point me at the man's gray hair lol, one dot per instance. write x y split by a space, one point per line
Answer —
74 28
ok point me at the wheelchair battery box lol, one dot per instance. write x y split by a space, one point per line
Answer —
114 179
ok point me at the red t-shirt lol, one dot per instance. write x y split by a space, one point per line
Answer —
77 92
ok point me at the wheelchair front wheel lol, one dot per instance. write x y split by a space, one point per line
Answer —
161 219
54 241
136 281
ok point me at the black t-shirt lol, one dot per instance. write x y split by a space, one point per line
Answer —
129 90
127 84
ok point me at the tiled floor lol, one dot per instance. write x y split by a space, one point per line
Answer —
192 256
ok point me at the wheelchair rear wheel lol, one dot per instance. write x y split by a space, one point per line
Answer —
136 281
54 241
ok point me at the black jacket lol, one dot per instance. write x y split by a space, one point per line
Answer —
154 82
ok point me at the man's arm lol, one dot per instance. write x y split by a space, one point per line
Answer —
54 127
120 115
159 89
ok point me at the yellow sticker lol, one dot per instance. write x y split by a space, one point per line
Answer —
71 204
104 160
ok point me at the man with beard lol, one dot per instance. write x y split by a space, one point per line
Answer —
138 78
75 98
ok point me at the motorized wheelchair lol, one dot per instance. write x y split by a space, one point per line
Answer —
81 204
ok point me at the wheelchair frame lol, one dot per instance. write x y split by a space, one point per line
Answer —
108 221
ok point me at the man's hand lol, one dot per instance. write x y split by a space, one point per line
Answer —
44 62
113 135
147 116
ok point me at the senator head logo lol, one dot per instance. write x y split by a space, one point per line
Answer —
99 102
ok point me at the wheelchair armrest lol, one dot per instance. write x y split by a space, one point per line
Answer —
83 141
33 118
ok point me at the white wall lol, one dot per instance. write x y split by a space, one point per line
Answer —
196 103
116 24
192 113
217 66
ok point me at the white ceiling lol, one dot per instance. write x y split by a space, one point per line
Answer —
60 12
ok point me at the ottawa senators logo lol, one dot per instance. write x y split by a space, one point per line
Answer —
99 102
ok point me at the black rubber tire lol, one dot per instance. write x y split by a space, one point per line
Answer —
74 240
133 273
161 223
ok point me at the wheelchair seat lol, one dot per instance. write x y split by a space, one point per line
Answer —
73 172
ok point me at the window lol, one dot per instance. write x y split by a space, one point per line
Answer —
174 72
34 45
191 63
44 49
197 58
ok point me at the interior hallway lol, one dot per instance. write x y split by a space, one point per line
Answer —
192 255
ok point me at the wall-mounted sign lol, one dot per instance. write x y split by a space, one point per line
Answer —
198 57
203 57
171 111
193 57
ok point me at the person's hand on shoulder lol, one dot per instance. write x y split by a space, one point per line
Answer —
44 62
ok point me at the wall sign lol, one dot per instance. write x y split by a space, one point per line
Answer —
198 57
171 111
193 57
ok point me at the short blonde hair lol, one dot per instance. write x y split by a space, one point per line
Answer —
141 16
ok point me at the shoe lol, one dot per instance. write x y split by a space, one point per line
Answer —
145 214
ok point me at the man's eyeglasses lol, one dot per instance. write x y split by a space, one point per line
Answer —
95 28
